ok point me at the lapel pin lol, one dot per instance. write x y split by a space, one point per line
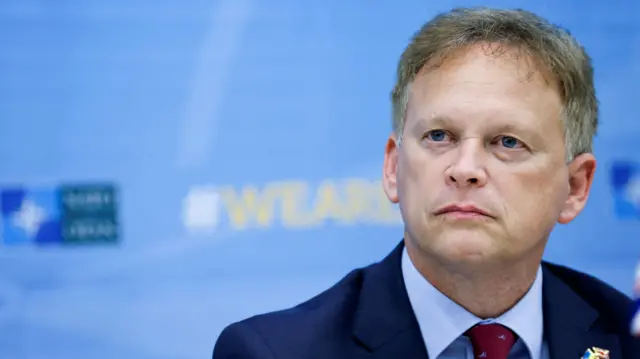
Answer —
596 353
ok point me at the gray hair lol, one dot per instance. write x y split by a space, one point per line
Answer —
553 49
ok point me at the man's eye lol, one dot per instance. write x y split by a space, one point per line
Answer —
436 135
510 142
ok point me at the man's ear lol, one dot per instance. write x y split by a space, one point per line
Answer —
390 169
581 173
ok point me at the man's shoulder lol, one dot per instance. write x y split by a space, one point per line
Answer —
600 295
614 307
326 317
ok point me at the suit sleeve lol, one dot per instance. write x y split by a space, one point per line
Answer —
241 341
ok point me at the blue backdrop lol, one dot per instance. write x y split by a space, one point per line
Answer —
203 161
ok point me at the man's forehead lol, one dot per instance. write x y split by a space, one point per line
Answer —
482 96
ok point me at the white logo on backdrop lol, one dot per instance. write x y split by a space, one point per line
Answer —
29 217
200 209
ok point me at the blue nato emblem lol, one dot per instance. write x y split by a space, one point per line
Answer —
65 214
30 216
625 183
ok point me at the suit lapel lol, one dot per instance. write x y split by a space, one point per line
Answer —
385 325
570 323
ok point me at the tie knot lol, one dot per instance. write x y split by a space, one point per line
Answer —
491 341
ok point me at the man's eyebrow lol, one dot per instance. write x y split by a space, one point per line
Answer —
439 120
508 127
436 120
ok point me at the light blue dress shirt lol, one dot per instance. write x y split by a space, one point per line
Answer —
442 322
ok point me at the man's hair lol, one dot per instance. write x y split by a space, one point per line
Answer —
552 48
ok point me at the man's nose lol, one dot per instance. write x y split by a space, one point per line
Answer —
468 167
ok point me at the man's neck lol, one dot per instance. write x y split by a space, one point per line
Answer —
486 292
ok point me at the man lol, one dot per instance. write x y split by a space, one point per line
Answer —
494 112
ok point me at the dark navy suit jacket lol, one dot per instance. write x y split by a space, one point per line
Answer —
368 315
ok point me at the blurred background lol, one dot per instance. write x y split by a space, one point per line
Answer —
168 167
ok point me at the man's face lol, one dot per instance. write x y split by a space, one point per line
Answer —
484 134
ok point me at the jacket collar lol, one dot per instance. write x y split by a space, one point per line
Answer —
384 321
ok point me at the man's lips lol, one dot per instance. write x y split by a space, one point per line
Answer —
459 210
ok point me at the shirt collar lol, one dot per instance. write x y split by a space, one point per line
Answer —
430 306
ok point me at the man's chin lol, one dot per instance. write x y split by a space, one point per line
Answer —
467 249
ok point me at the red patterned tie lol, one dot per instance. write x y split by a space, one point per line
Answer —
491 341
